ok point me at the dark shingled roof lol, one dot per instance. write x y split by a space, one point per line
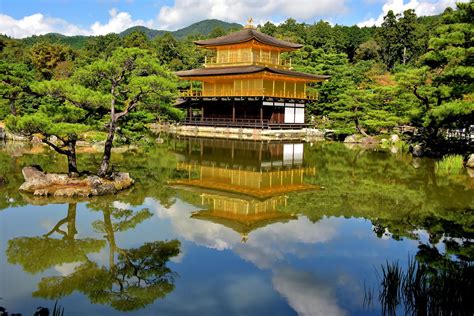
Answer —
246 35
222 71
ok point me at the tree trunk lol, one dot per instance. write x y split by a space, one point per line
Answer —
404 55
358 128
71 224
12 107
71 158
104 166
110 236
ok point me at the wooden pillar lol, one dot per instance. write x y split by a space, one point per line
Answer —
202 113
233 110
261 113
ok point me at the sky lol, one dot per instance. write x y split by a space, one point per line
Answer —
23 18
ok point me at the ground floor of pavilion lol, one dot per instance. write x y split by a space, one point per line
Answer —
245 112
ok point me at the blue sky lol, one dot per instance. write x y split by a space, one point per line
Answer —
21 18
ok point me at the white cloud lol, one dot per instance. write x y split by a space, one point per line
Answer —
422 8
118 22
185 12
38 24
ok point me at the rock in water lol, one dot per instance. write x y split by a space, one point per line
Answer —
351 139
369 141
417 150
470 161
54 184
394 138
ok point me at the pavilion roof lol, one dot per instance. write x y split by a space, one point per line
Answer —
246 35
241 70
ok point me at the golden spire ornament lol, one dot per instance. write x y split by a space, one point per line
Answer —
250 23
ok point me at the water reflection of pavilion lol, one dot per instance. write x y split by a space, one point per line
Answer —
243 184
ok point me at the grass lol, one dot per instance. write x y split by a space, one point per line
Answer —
450 165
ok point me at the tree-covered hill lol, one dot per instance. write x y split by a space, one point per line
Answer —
150 33
203 28
76 41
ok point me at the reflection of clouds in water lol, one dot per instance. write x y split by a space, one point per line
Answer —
102 257
66 269
236 294
122 205
272 242
202 233
250 290
306 294
265 248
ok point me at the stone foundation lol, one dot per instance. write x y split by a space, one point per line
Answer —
245 133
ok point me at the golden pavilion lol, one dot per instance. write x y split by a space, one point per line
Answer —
246 82
243 184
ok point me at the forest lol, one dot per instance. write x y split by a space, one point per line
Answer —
411 71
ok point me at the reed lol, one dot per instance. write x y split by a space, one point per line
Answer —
450 165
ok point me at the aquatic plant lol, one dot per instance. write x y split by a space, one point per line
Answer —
449 165
442 288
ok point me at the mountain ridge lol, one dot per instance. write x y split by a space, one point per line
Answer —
203 27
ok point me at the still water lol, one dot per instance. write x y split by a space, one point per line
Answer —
231 228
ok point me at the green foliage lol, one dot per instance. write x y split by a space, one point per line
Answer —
443 86
61 120
45 57
136 39
14 86
75 41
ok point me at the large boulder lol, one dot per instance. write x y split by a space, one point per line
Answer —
54 184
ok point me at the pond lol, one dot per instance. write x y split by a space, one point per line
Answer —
221 227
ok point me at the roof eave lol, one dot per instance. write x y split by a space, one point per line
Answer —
289 48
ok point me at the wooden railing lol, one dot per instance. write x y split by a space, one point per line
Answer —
240 122
246 60
249 93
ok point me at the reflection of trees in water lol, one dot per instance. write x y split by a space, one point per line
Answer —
133 278
36 254
431 284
